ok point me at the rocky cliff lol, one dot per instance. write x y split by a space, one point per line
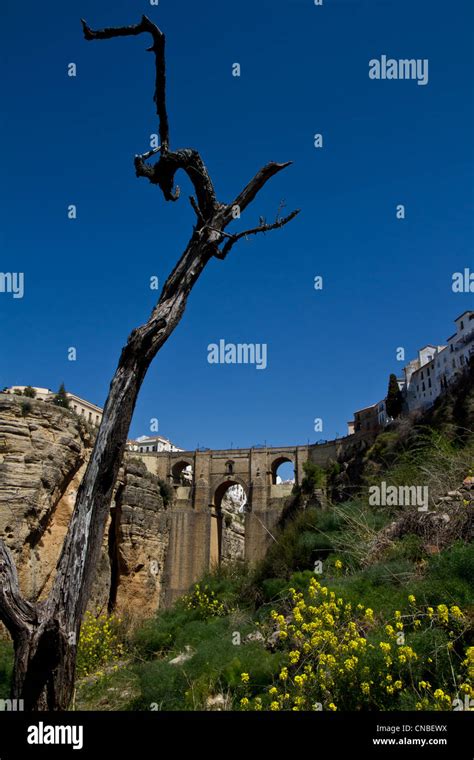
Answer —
44 451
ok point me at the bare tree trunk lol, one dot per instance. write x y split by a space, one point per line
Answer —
45 634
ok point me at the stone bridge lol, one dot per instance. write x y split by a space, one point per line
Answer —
201 478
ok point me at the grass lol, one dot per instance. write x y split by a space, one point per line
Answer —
6 667
218 659
114 691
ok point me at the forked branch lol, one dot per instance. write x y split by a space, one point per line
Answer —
232 239
163 172
158 48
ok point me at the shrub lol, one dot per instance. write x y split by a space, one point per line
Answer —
409 547
25 408
158 635
99 644
336 656
166 492
314 477
61 399
204 601
306 538
273 587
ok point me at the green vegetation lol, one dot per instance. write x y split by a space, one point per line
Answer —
234 639
314 477
166 492
6 667
25 408
394 400
100 647
61 399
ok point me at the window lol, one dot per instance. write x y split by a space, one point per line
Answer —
462 325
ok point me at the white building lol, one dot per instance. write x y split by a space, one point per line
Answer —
148 444
421 384
437 366
86 409
90 412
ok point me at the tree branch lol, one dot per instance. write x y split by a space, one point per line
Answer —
16 613
246 196
163 172
254 231
158 48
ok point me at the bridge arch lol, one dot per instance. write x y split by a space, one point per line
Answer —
224 522
179 472
279 461
223 486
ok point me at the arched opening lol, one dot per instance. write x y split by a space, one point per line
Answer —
283 471
182 473
228 523
229 467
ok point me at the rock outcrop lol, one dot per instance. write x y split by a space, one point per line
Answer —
44 451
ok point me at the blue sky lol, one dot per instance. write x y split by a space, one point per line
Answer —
304 70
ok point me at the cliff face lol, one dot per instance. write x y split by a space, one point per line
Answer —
138 540
43 455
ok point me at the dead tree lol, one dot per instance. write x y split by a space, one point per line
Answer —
45 633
